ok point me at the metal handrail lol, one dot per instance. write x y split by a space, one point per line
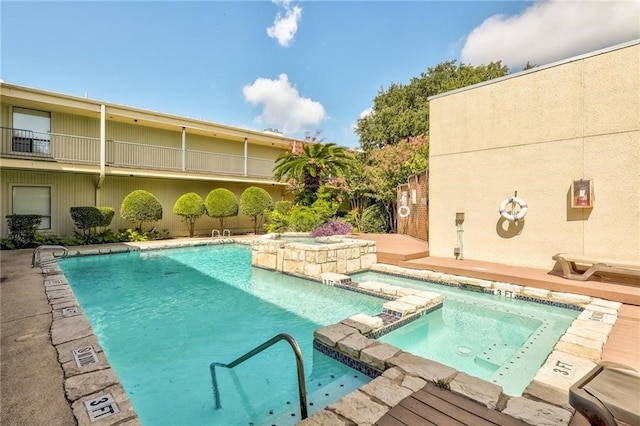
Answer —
35 258
302 392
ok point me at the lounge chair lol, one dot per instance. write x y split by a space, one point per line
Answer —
568 263
608 395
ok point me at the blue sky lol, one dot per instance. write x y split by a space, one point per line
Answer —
297 66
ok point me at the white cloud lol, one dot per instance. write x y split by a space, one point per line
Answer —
284 28
282 105
552 30
366 112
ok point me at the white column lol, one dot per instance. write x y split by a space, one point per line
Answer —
103 151
184 149
246 156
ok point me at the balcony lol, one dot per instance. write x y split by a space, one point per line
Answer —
46 146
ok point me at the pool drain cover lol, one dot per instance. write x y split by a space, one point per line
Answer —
463 351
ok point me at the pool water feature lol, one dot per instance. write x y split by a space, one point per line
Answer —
163 316
501 340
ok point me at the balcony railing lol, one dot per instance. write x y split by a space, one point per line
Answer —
18 143
46 146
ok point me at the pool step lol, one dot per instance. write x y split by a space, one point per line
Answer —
320 393
496 354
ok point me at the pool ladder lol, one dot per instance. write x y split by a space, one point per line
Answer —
35 258
302 393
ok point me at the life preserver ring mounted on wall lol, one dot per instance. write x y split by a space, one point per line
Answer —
514 217
404 211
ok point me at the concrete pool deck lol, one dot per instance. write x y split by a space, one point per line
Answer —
32 390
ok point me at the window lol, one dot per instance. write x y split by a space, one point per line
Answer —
33 200
31 131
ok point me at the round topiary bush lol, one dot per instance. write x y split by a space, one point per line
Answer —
221 203
191 207
140 207
255 202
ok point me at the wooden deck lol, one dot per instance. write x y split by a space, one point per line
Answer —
432 406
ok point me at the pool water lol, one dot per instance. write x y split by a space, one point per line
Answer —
163 316
501 340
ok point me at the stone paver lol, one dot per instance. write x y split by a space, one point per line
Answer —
426 369
359 408
486 393
537 413
377 356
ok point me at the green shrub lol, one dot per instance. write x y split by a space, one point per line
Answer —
89 219
23 228
374 219
283 207
133 235
53 239
107 216
6 244
86 218
256 202
221 203
191 207
304 219
140 207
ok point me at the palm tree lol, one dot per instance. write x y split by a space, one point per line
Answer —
312 166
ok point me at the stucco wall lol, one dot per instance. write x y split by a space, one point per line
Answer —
534 133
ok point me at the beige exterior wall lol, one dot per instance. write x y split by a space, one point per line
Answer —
534 133
74 190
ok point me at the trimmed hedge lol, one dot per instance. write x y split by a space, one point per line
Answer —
141 206
221 203
23 228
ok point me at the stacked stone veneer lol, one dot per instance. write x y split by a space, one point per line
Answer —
338 254
398 374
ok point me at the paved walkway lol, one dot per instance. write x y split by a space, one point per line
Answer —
31 377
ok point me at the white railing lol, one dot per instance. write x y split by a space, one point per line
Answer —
21 143
16 143
208 162
127 154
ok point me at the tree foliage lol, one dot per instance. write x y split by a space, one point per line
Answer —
141 206
256 202
306 168
389 167
191 207
299 218
402 111
221 203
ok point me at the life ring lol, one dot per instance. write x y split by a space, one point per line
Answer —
404 211
514 217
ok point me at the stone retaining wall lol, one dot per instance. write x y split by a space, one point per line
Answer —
339 255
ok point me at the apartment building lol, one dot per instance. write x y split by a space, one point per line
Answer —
59 151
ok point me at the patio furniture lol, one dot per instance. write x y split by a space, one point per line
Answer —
570 270
608 395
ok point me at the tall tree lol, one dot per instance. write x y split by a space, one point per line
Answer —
308 167
402 111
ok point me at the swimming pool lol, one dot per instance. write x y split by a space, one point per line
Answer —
163 316
501 340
